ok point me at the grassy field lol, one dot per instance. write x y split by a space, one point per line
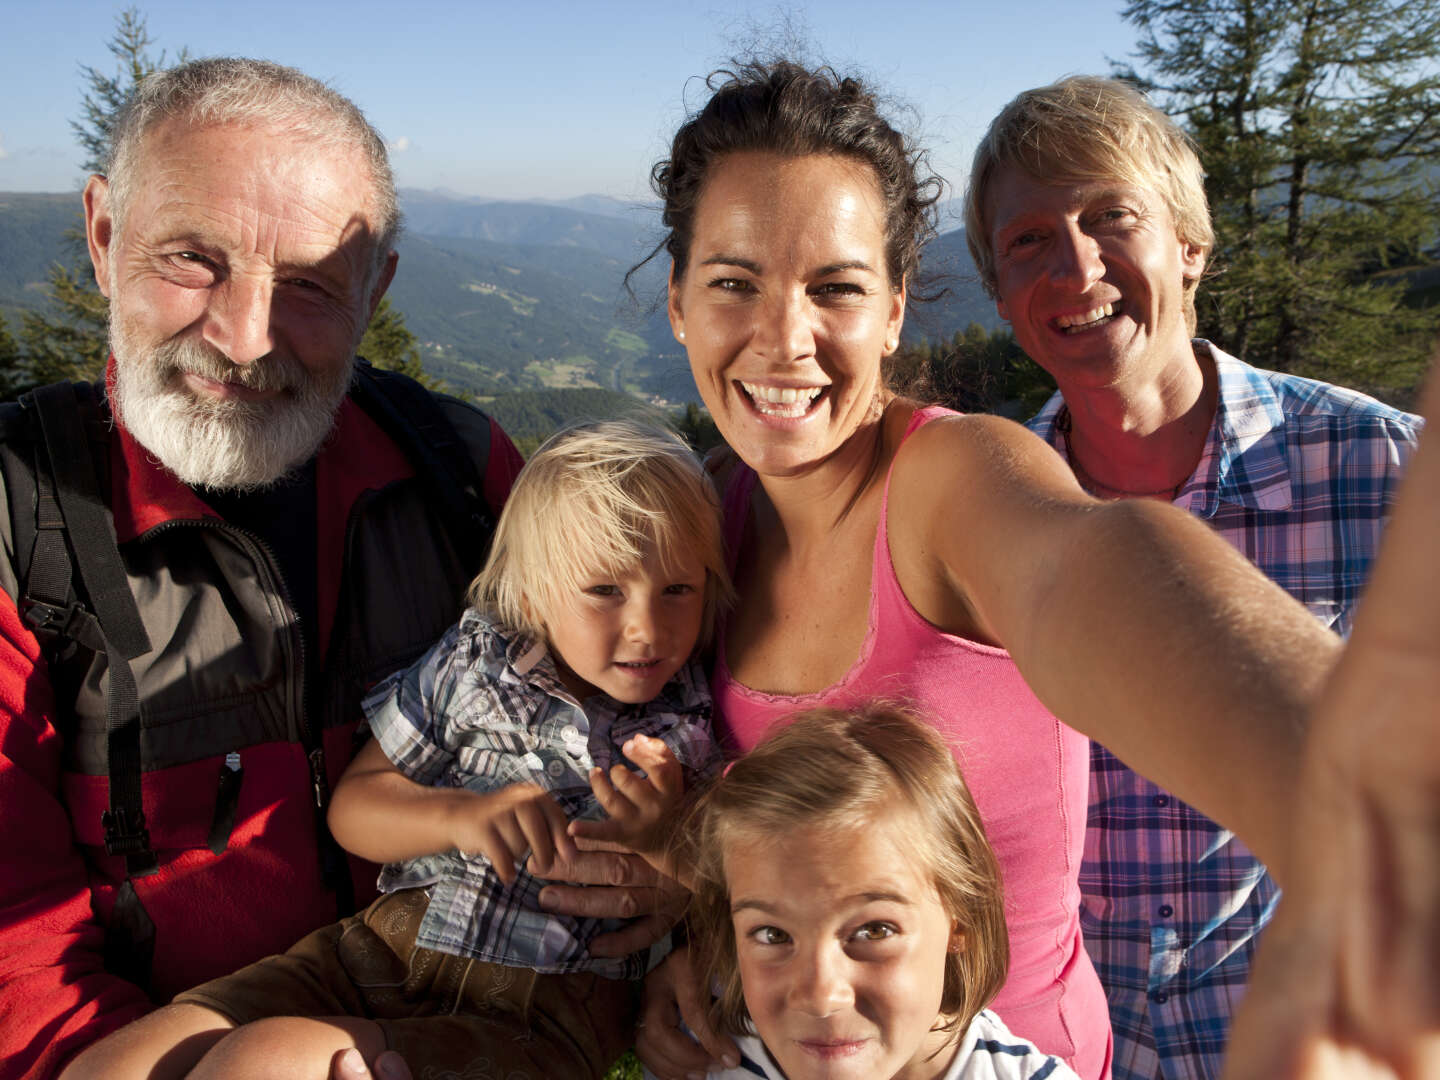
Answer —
627 1068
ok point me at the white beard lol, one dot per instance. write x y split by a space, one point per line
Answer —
230 445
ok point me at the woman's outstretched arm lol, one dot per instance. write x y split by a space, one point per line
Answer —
1130 620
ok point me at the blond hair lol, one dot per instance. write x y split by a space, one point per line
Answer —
594 497
836 769
1082 129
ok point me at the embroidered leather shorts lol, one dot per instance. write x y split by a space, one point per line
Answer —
447 1015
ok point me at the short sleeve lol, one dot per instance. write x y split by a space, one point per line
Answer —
410 712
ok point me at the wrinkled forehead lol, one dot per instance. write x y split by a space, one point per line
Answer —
251 184
300 152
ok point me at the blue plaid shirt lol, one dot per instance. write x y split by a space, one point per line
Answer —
1299 476
482 710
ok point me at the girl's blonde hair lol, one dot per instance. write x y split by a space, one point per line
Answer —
594 497
838 769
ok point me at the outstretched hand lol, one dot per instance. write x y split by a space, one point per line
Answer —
511 821
1347 983
605 879
636 805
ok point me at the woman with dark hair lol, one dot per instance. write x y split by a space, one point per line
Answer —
881 548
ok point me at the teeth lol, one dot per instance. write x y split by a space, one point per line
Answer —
1066 322
792 401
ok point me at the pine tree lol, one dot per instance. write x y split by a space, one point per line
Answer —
1318 123
71 340
388 343
106 94
12 373
977 370
74 345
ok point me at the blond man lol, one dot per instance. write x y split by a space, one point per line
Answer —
1087 219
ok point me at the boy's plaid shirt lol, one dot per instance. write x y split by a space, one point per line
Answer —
484 709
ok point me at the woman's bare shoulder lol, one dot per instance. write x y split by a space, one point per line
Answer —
979 453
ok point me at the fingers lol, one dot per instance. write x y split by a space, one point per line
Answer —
1400 608
662 771
603 867
614 804
391 1066
521 818
546 830
627 796
673 992
587 845
665 1050
693 999
616 902
611 829
1344 983
350 1065
634 936
1286 1004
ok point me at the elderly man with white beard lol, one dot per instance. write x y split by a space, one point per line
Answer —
211 557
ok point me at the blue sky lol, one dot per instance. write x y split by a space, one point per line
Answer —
551 98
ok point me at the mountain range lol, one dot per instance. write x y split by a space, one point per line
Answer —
508 295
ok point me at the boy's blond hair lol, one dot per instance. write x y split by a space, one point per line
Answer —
1083 129
594 497
837 769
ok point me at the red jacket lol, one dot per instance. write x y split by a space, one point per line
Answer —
224 675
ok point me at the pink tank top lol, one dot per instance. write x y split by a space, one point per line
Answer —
1028 772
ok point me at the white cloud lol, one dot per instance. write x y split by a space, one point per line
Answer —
3 155
400 145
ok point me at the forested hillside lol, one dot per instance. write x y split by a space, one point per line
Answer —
506 296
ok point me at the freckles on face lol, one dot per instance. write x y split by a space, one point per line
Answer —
785 306
841 943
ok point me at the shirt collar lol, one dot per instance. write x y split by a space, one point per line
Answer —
1244 460
529 662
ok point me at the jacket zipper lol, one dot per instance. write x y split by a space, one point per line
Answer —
334 870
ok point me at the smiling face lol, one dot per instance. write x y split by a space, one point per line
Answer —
842 940
240 281
786 307
627 634
1091 277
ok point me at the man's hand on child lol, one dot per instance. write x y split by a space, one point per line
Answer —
637 805
513 820
674 991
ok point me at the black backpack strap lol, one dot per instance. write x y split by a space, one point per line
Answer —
413 417
74 533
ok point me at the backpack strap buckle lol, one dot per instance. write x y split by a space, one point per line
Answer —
64 621
126 834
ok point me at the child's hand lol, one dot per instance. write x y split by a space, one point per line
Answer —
511 821
636 804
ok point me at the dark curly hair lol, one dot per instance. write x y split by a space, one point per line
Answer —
782 107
